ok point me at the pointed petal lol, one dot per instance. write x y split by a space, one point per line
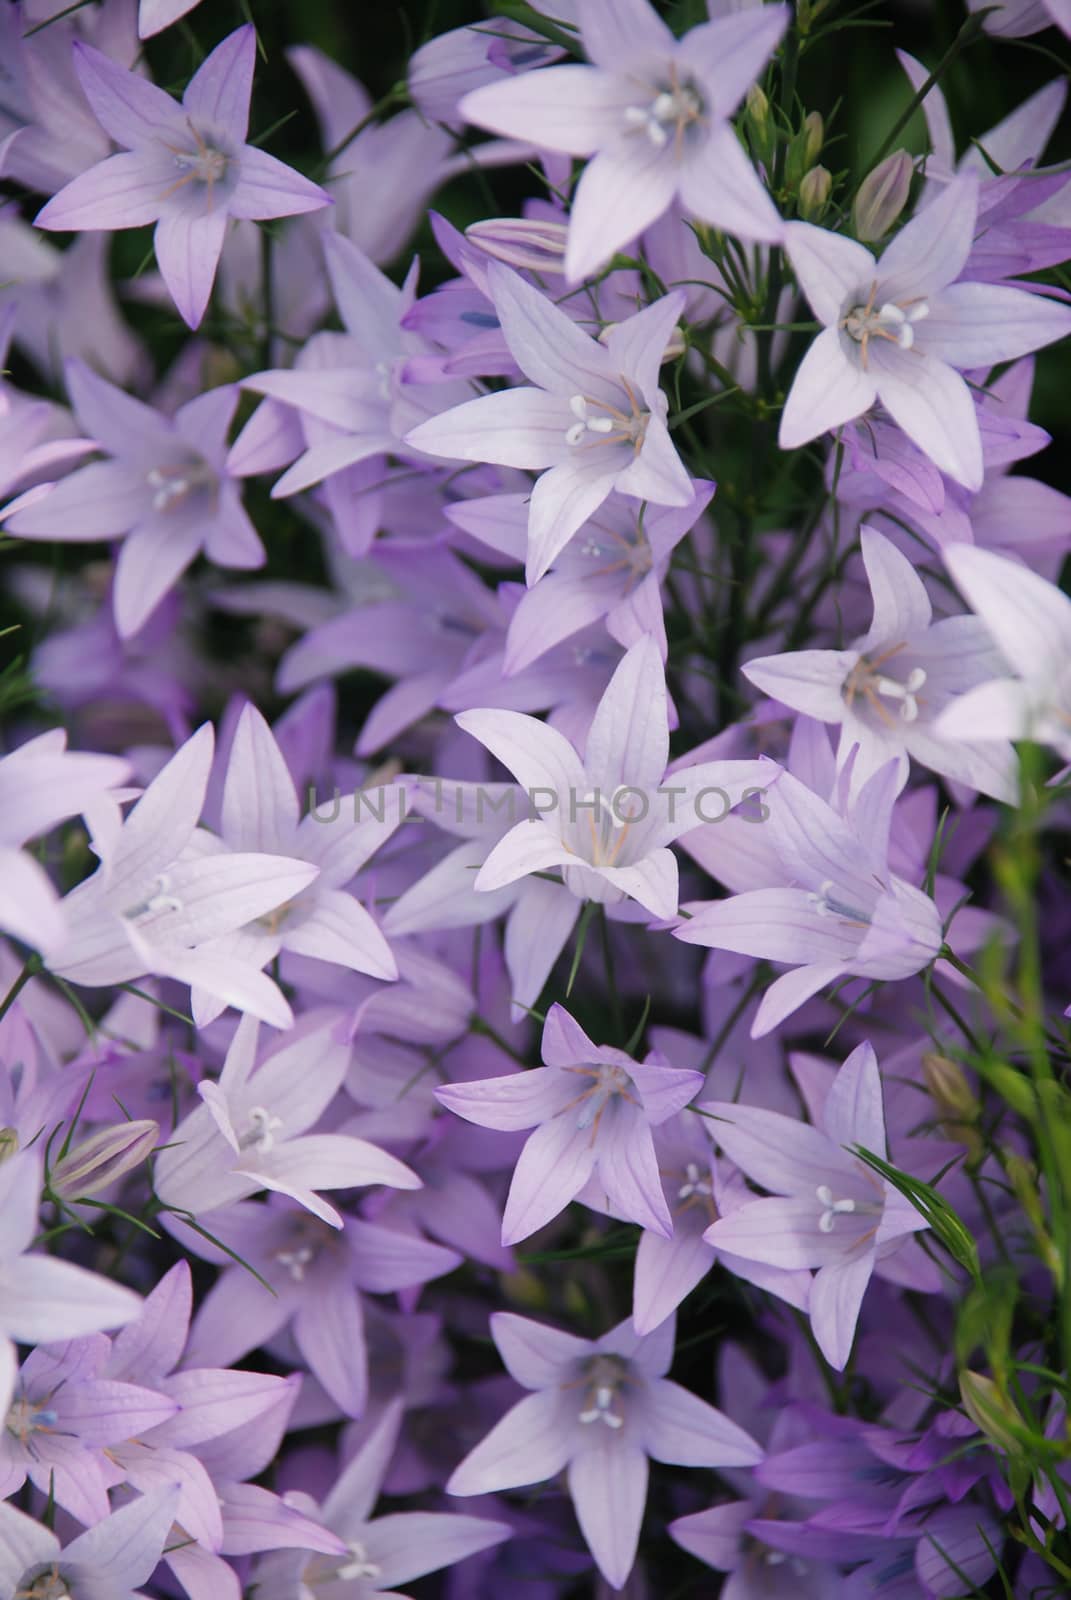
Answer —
562 501
829 389
410 1543
128 107
533 1353
570 108
623 190
829 267
681 1429
931 250
187 252
548 346
540 758
122 191
628 742
268 188
517 428
608 1483
853 1112
219 90
901 604
531 1444
836 1298
934 407
720 186
329 1329
556 1162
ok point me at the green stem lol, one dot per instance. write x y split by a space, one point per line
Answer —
31 968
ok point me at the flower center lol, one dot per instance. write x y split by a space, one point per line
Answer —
260 1130
832 1208
45 1586
159 901
892 321
867 679
358 1565
172 486
695 1183
604 1378
599 422
826 904
673 111
609 1082
27 1417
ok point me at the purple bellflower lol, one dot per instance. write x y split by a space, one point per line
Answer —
606 820
836 1214
889 689
113 1558
187 167
381 1552
897 330
593 1109
841 912
251 1132
166 489
594 419
599 1408
165 890
653 113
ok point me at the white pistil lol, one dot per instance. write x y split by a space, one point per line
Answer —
667 115
359 1566
827 906
173 485
892 321
695 1183
295 1261
585 421
261 1131
599 1410
905 692
833 1208
159 901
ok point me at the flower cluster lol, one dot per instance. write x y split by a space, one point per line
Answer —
534 805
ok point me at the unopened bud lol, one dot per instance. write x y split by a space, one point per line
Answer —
804 148
758 124
9 1143
991 1411
815 188
533 246
96 1162
948 1086
882 196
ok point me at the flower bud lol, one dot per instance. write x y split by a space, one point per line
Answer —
991 1410
759 126
9 1143
96 1162
804 148
535 246
815 188
949 1089
882 196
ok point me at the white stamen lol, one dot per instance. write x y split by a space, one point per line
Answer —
600 1411
159 901
262 1130
833 1208
359 1566
905 692
694 1183
296 1261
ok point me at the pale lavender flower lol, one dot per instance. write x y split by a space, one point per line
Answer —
888 690
381 1552
1030 619
841 912
317 1275
599 1408
166 489
42 1298
896 330
251 1133
612 568
606 820
156 15
261 813
837 1214
593 1109
114 1557
594 421
653 113
699 1188
187 167
62 1417
165 890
